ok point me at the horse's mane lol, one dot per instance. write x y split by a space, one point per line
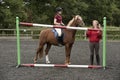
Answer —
71 22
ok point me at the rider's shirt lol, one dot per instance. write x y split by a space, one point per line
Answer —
58 18
94 35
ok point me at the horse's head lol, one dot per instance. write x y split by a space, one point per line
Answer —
78 21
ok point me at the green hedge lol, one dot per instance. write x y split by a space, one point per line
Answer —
113 35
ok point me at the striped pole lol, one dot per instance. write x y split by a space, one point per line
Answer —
61 65
55 26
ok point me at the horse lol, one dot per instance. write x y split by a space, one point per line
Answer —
47 37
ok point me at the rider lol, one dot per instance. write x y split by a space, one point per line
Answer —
58 21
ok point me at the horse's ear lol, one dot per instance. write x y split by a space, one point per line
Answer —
76 17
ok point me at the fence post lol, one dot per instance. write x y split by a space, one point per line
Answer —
85 35
104 43
18 41
3 33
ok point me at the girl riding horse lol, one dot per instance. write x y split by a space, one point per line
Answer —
58 22
47 37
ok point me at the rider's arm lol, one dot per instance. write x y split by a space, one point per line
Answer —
55 22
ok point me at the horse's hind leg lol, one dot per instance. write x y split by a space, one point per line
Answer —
46 52
36 56
39 53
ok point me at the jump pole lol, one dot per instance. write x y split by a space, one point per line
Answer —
59 65
53 26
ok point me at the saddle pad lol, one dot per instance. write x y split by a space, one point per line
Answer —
55 33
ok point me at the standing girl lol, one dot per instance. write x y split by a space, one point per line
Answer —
94 34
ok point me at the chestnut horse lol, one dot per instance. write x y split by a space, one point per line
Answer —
47 37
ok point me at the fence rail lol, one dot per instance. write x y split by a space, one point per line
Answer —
112 34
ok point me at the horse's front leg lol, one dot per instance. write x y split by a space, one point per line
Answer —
68 48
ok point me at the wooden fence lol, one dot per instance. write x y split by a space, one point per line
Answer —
112 34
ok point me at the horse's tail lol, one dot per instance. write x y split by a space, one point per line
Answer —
41 52
41 44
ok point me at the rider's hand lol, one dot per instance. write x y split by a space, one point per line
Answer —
62 24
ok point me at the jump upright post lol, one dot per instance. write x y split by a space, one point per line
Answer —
18 42
104 43
59 65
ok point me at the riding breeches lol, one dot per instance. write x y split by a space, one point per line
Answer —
59 31
94 49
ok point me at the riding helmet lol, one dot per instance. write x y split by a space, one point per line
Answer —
58 9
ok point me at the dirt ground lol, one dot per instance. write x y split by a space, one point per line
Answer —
79 55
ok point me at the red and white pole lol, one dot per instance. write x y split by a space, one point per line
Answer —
53 26
61 65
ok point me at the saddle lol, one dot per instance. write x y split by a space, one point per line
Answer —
59 38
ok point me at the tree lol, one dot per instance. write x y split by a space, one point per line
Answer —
116 13
43 11
9 9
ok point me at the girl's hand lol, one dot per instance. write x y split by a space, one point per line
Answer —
62 24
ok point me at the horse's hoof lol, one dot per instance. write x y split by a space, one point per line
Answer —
35 62
47 62
68 63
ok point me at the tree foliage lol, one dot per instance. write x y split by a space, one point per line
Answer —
9 9
42 11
